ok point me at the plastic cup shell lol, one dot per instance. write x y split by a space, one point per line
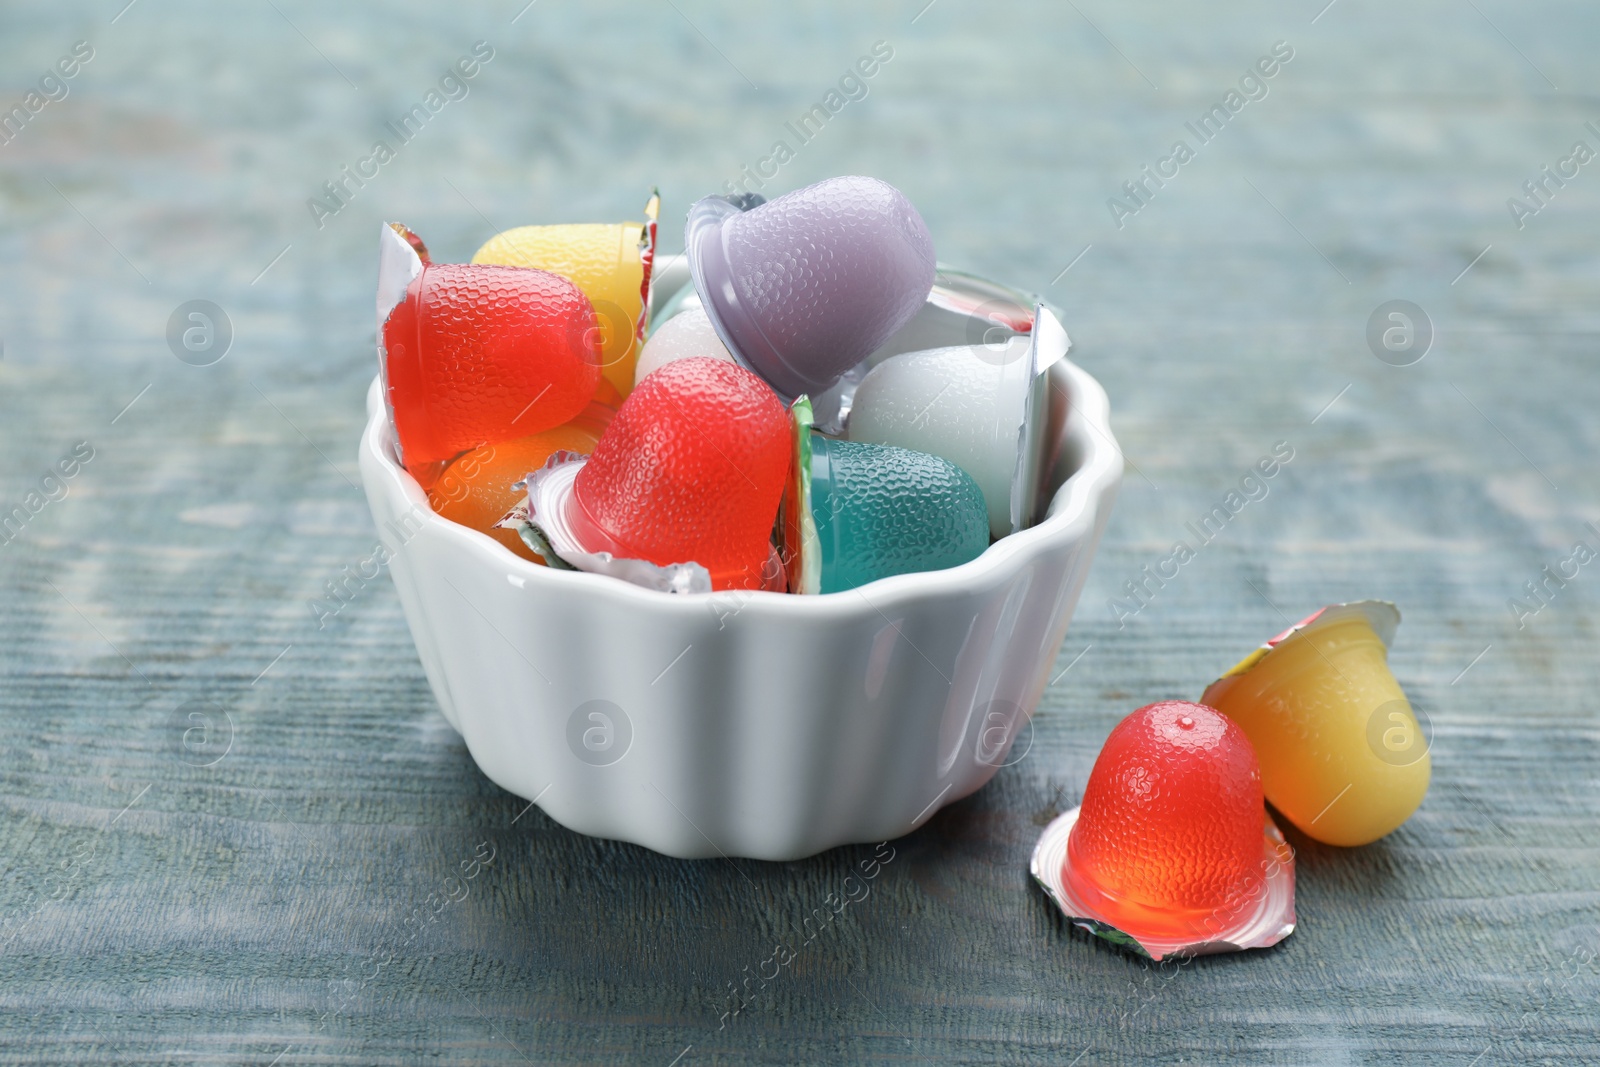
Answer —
802 550
554 523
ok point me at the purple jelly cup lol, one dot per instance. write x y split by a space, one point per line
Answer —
804 287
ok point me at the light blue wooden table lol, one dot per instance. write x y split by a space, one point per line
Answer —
220 897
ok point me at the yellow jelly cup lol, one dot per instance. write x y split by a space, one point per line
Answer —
1342 755
610 262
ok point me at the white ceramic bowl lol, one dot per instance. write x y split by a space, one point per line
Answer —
762 725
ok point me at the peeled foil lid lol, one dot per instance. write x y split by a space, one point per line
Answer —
647 260
1382 615
1271 920
543 526
401 257
1048 345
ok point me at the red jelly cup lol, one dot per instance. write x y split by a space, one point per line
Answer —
1171 852
474 355
690 472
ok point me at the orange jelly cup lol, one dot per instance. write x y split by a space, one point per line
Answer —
476 491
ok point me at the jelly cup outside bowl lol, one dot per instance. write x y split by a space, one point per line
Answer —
762 725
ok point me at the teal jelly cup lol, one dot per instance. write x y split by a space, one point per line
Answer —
881 510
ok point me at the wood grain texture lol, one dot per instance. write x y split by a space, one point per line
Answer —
156 910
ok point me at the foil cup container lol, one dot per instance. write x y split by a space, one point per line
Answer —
748 723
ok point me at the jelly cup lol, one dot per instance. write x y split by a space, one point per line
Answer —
610 262
681 337
881 510
804 287
871 511
980 406
478 488
1342 754
682 490
1171 852
475 355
